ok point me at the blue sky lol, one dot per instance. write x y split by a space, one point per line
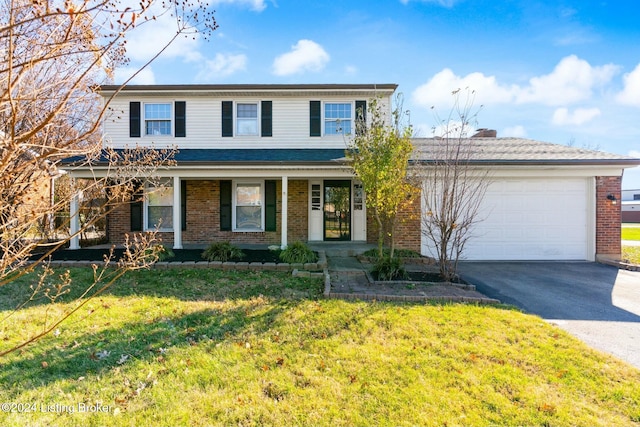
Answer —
566 72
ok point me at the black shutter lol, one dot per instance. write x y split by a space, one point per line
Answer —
134 119
270 205
181 119
227 118
314 118
137 207
266 120
183 204
225 205
361 115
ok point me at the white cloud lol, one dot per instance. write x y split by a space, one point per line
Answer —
221 66
306 55
438 90
630 95
635 153
255 5
572 80
351 70
144 77
562 116
514 132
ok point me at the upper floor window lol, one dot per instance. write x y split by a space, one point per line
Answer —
636 197
337 118
157 119
247 119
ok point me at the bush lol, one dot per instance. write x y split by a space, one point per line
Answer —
298 253
387 268
222 251
400 253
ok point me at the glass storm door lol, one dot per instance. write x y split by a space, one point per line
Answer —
337 210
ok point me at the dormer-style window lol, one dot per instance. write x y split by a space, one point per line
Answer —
157 119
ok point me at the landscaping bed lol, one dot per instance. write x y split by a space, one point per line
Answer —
180 255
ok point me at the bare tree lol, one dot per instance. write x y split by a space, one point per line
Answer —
54 55
453 186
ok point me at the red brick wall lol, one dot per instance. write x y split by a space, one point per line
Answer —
608 216
408 226
203 217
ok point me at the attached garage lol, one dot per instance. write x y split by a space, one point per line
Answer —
534 219
545 202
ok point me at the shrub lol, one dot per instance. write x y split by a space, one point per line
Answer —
387 268
401 253
298 253
222 251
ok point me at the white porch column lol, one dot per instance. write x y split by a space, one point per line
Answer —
283 225
177 211
74 222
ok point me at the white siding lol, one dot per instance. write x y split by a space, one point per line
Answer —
204 119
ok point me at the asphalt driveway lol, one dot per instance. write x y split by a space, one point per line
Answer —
597 303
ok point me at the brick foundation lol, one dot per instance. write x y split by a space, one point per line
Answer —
608 217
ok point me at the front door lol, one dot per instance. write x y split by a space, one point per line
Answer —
337 210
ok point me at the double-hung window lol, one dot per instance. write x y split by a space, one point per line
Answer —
157 119
337 118
160 205
249 213
246 119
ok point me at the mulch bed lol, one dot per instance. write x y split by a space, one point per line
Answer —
181 255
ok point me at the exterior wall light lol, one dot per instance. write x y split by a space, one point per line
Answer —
613 199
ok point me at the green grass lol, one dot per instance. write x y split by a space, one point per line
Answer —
630 233
631 254
206 347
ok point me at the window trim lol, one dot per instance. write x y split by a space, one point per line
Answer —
143 121
166 183
324 118
234 205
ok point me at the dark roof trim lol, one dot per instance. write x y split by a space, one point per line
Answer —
245 87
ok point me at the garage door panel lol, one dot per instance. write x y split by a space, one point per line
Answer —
532 219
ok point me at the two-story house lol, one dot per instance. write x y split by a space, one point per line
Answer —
266 164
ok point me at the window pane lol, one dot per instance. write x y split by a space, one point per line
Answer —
248 217
157 111
158 127
247 126
337 119
160 217
247 111
248 194
160 196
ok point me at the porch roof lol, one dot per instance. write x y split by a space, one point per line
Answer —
187 157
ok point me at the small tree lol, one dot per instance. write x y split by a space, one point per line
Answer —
53 56
453 187
380 152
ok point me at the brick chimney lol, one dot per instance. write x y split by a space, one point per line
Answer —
485 133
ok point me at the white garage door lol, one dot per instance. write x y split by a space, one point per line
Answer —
533 219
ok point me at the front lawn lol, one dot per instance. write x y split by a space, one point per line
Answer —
211 347
630 233
631 254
